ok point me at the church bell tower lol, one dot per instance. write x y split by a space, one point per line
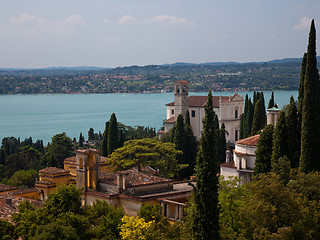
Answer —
181 98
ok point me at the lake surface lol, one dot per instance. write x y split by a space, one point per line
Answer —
43 116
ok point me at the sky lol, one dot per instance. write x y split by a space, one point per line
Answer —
112 33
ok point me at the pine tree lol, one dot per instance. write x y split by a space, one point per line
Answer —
280 140
293 134
310 131
104 141
205 224
113 134
264 151
271 102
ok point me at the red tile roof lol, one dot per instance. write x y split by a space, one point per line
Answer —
134 177
170 120
88 150
228 165
53 170
5 188
251 141
200 101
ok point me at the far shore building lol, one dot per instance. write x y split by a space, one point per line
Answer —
227 108
244 157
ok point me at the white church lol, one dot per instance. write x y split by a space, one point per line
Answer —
227 108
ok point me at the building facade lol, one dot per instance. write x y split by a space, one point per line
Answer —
227 108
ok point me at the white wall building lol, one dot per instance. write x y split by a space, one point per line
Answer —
244 156
227 108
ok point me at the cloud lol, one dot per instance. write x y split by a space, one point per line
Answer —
24 18
127 19
170 20
303 24
33 26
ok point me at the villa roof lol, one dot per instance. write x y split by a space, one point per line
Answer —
5 188
53 170
200 101
250 141
134 177
228 165
170 120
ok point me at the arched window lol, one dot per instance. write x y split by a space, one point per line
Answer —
184 89
178 89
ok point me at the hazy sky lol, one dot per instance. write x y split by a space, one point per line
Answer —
111 33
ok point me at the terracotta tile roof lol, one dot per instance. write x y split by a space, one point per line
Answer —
87 150
5 188
170 120
200 101
134 177
228 165
53 170
45 182
251 141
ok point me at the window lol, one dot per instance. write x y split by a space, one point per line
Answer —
236 135
236 113
178 89
193 113
172 111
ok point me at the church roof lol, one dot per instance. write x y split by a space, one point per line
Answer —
200 101
250 141
228 164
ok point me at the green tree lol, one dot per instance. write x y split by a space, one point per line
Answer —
104 142
144 152
310 131
59 149
271 101
264 151
23 178
7 230
301 84
180 144
191 147
258 117
222 144
113 134
280 140
81 140
55 231
91 134
105 220
293 134
205 223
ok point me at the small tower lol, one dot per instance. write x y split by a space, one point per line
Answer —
180 97
87 161
273 115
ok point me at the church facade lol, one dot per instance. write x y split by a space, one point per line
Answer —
227 108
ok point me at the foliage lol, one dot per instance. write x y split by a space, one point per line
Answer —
7 230
113 134
310 131
205 222
271 101
59 149
135 228
151 212
104 142
23 178
144 152
106 220
264 151
258 117
91 134
55 231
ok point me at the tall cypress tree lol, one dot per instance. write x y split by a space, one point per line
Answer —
222 145
205 224
249 119
293 134
280 140
113 134
81 140
257 117
263 111
104 141
180 143
264 151
271 101
301 84
310 131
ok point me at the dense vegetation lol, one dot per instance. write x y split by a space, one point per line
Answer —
273 75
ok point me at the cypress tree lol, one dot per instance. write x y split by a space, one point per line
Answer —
310 135
2 157
187 118
113 134
263 111
249 119
180 142
121 138
91 134
293 134
280 138
104 141
205 224
222 145
271 101
80 140
257 118
301 84
264 151
254 99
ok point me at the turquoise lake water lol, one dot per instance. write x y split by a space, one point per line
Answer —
43 116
